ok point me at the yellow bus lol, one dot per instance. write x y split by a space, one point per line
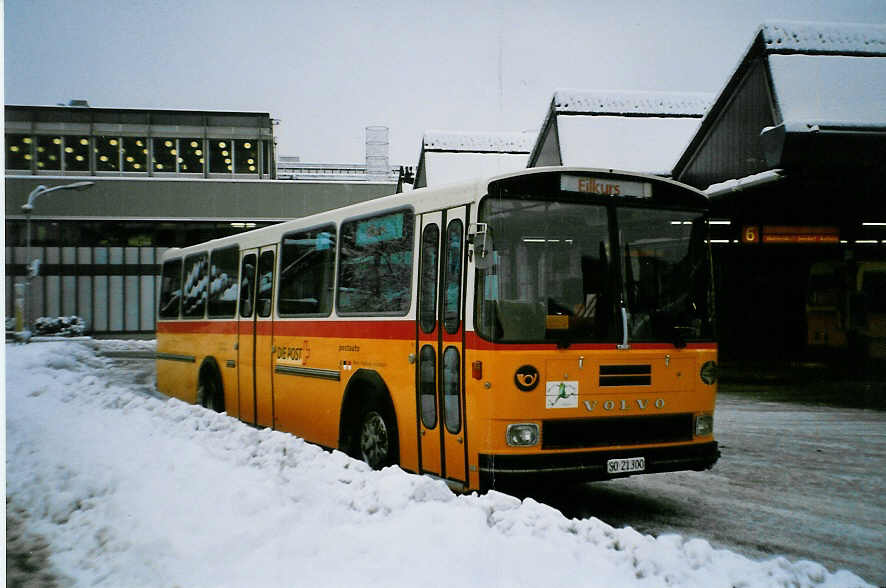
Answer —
554 323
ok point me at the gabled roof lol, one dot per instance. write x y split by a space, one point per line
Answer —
454 156
819 76
610 125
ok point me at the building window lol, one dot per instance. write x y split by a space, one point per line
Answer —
49 153
135 154
165 155
247 157
221 156
107 154
18 151
190 156
76 153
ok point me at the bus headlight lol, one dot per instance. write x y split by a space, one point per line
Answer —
704 425
522 435
709 372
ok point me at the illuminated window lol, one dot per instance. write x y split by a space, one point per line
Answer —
49 153
76 153
165 155
220 156
135 154
190 156
107 153
247 157
18 152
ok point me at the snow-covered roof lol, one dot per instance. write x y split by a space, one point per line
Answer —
822 88
451 167
647 144
479 142
820 72
818 37
622 103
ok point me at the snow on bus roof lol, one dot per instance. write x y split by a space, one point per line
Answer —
479 141
824 37
627 103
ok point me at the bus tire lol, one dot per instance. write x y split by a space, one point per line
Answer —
210 393
376 437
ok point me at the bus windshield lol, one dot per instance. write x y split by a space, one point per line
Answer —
562 271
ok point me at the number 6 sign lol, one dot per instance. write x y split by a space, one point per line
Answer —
750 234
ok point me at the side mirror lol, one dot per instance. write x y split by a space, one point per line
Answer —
480 239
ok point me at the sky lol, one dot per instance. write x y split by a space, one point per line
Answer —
327 70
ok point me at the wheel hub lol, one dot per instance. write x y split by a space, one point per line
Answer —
374 440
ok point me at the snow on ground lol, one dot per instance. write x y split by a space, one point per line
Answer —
129 489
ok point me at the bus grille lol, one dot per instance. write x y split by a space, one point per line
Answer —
608 432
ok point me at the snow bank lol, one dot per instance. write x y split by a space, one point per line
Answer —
132 490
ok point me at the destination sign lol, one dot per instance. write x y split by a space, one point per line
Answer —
605 186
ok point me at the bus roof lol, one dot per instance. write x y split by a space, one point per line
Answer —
421 200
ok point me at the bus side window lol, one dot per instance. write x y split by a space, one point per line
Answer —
170 289
307 270
223 282
375 266
247 285
196 285
265 283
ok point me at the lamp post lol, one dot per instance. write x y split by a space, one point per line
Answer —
27 208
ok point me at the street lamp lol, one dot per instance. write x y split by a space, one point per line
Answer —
27 208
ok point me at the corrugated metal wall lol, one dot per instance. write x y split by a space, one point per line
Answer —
732 147
114 289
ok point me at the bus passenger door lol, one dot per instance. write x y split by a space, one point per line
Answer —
254 335
450 368
264 337
440 381
430 448
246 336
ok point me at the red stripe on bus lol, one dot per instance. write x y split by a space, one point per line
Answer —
474 341
381 329
224 327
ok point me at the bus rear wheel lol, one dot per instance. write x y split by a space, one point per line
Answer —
377 439
209 394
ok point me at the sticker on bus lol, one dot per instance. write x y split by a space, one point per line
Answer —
563 394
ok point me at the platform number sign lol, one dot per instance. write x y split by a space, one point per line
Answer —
750 234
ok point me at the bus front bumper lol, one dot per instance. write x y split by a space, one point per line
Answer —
587 466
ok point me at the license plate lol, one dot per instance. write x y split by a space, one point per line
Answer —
623 466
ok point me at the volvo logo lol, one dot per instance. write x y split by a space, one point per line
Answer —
610 405
526 378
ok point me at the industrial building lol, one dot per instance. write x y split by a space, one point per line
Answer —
161 178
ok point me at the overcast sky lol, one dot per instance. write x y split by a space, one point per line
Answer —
328 69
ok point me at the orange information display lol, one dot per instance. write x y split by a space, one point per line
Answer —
790 234
547 324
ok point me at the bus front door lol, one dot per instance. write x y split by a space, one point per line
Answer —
440 374
255 336
246 337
